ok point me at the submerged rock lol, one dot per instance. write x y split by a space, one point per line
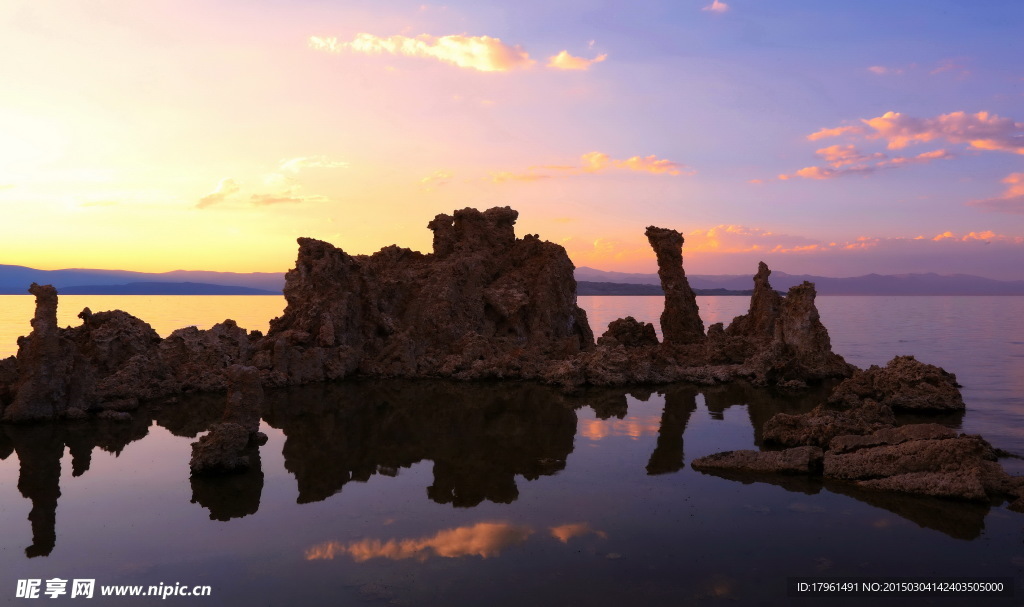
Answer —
797 460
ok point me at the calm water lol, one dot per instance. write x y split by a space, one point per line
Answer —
431 493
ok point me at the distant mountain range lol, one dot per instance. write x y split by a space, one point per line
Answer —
870 284
15 280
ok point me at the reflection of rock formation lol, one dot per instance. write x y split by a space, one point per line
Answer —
39 449
680 402
233 495
479 438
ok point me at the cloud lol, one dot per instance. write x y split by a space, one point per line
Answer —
599 162
436 180
844 160
482 53
225 189
594 163
981 131
287 197
834 132
716 7
565 61
482 539
951 65
882 70
1010 201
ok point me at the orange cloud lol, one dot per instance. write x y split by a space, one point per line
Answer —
1010 201
597 162
225 189
482 53
565 61
564 533
834 132
294 165
716 7
482 539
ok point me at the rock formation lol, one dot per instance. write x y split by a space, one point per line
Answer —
483 304
680 322
905 384
230 446
797 460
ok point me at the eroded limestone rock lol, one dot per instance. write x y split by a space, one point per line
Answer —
483 304
680 322
629 332
904 384
797 460
820 425
221 450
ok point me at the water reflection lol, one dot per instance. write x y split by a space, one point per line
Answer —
479 438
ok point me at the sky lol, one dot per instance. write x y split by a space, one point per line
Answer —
832 138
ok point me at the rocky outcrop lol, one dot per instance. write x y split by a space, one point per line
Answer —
680 322
904 384
629 332
110 362
221 450
797 460
962 467
245 398
821 425
483 304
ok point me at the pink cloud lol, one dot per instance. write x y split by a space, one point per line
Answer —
716 7
982 131
1010 201
882 70
844 160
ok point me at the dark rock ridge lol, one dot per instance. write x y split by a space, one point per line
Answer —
483 305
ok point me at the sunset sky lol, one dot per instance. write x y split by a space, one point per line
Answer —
834 138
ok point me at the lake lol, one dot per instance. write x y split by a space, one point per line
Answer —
436 493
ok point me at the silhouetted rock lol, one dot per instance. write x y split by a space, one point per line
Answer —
45 361
797 460
680 322
483 304
905 384
629 332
